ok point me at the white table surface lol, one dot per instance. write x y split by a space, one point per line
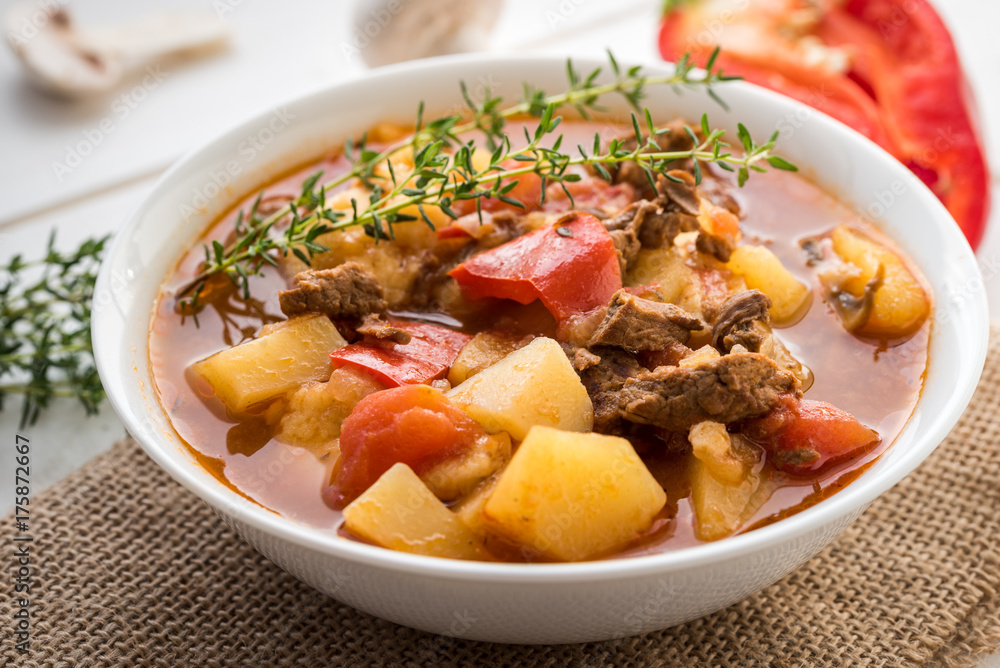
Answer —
279 50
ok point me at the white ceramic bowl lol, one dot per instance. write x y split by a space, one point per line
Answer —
540 603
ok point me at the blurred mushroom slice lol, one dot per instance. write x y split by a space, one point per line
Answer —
391 32
854 311
63 59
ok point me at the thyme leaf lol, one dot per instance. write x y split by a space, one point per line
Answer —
445 172
45 345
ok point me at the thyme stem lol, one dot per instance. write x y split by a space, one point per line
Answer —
443 171
45 346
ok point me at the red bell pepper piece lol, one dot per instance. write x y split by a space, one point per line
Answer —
770 62
528 192
413 424
429 354
572 268
590 192
902 51
891 73
804 437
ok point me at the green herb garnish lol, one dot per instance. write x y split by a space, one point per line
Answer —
444 173
45 345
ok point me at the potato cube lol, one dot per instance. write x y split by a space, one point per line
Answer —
665 268
573 496
484 350
400 513
284 357
900 303
470 508
720 509
711 444
725 480
762 270
535 385
385 132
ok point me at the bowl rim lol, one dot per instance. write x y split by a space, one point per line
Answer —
852 499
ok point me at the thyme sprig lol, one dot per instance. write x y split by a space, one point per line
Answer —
45 344
444 171
441 178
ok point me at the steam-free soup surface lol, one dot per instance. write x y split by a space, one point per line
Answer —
877 384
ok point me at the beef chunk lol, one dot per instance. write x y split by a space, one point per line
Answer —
604 382
660 228
507 225
720 194
625 227
627 247
655 224
634 323
635 176
679 193
630 172
644 224
743 320
726 389
374 325
630 217
581 358
676 139
347 291
717 247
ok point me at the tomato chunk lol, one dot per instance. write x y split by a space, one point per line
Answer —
571 267
804 437
413 424
429 354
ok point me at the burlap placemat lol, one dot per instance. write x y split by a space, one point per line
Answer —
130 569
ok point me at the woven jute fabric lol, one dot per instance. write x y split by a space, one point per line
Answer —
131 569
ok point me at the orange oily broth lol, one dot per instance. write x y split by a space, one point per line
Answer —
879 387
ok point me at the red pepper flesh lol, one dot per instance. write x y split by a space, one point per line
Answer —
571 267
429 354
904 88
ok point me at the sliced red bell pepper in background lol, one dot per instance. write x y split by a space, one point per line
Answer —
413 424
429 354
759 53
571 267
887 68
804 437
902 51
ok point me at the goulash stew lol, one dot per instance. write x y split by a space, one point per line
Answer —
610 366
